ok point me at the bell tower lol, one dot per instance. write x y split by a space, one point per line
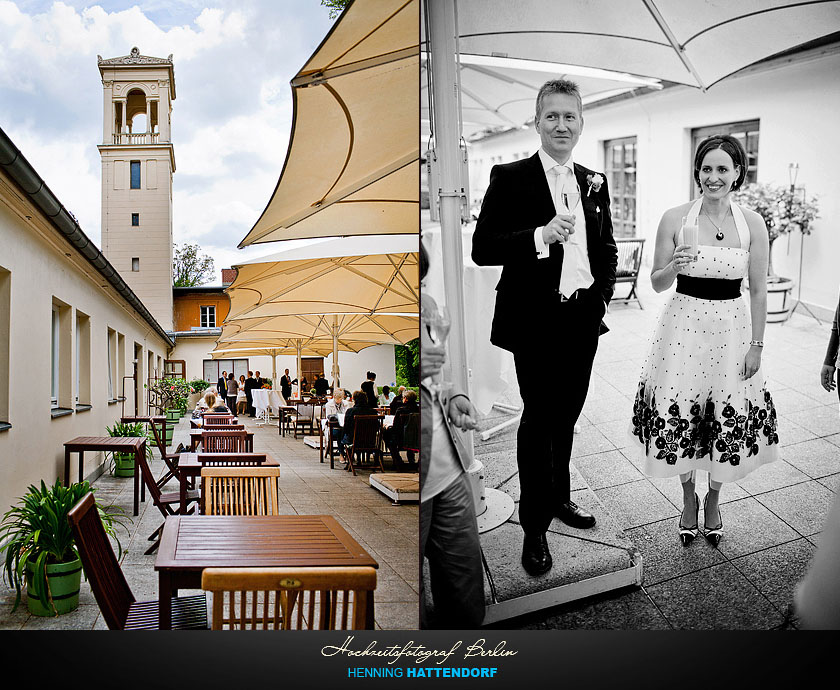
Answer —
138 161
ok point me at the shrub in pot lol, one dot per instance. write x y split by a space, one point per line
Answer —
122 464
40 549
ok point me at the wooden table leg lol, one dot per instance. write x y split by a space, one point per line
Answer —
136 482
81 464
165 594
183 491
66 467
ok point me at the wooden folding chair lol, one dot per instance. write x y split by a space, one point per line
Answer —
116 601
232 459
367 430
324 598
239 490
224 441
163 501
169 459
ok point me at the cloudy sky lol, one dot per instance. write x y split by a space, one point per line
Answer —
230 121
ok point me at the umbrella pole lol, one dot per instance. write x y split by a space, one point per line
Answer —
335 353
299 365
442 30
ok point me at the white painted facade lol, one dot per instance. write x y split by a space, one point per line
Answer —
40 269
796 101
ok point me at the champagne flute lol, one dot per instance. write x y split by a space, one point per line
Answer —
571 199
438 323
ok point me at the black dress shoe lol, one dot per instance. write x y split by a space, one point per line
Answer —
575 516
536 558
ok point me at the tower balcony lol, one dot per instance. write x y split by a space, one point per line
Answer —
136 138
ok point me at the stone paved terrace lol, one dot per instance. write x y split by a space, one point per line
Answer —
772 518
387 531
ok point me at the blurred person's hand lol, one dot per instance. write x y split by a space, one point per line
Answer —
432 355
827 377
462 413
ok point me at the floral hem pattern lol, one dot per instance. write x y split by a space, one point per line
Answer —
721 432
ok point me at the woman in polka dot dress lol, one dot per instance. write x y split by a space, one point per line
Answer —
701 402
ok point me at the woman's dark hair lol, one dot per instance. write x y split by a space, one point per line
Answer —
730 146
231 376
386 390
360 397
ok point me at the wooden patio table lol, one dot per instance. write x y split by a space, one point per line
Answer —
189 467
120 444
190 543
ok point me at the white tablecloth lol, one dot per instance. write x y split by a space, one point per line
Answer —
492 371
264 399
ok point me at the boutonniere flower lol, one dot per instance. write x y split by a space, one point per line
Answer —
594 181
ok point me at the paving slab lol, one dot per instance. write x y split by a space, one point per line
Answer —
776 571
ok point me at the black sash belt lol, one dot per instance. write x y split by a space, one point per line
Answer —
708 288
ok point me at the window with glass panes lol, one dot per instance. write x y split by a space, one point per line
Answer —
208 317
745 132
620 168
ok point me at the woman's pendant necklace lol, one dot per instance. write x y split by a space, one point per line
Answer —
719 236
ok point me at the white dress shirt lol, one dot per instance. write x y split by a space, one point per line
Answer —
576 272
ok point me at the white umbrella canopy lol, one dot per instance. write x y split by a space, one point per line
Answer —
370 329
362 275
693 42
351 166
498 93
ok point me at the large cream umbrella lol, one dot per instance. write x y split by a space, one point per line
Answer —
351 165
330 333
363 275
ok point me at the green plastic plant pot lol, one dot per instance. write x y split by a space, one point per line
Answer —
64 582
123 464
173 415
170 430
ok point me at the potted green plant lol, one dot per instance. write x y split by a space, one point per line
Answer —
40 548
122 464
197 388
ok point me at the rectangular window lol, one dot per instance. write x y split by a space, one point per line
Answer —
746 132
62 360
135 264
208 317
135 220
82 359
213 368
135 174
5 330
112 360
120 365
620 168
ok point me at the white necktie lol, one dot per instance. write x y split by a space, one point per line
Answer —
569 272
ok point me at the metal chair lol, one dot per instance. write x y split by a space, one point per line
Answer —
239 490
116 601
328 598
629 264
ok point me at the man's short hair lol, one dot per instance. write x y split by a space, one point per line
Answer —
410 396
564 86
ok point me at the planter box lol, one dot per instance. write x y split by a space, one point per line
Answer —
173 415
64 581
123 464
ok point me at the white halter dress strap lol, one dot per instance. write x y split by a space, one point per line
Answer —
741 225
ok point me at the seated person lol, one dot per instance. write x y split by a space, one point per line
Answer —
394 434
361 406
338 405
387 397
215 405
206 402
398 400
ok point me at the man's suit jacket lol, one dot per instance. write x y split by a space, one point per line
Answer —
221 387
285 386
518 201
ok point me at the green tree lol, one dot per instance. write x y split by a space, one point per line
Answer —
407 363
336 6
189 269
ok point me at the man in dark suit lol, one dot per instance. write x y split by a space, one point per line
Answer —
546 220
221 385
286 385
321 385
250 385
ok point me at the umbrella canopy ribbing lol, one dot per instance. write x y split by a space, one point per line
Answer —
692 42
363 275
351 165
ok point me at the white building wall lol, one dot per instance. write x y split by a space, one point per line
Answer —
44 267
796 104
